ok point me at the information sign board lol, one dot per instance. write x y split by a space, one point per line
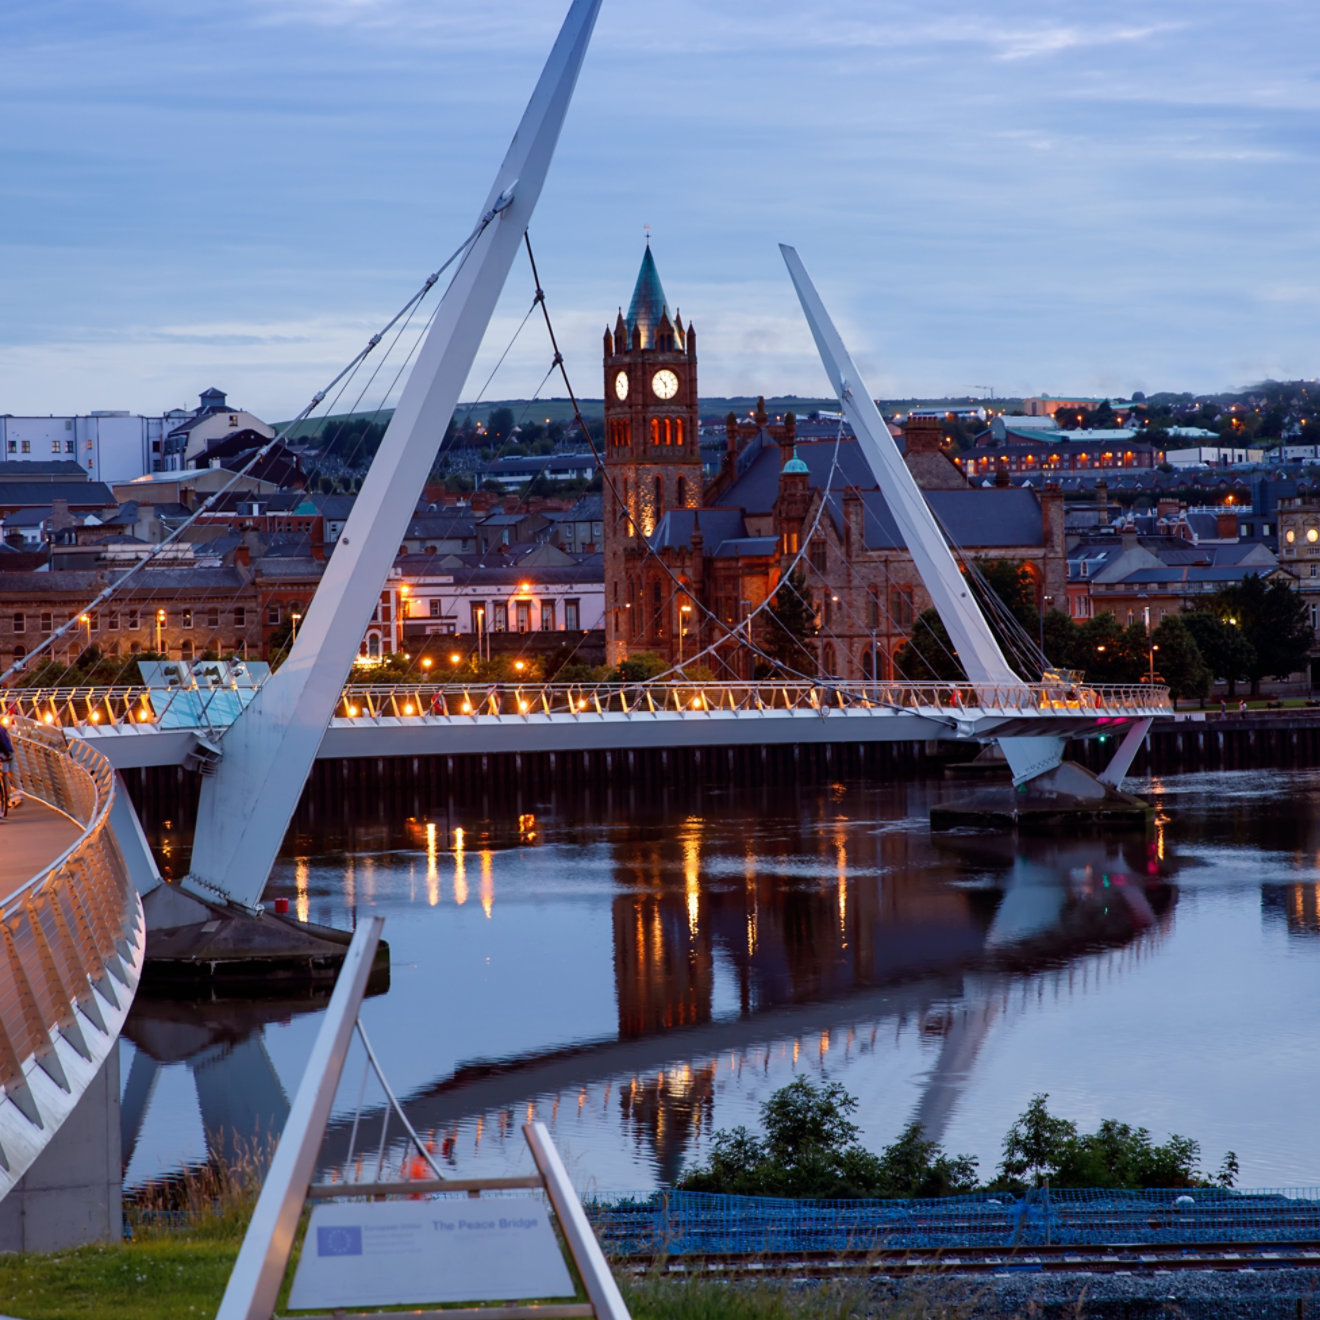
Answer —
401 1253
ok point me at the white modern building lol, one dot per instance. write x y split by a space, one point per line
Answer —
119 446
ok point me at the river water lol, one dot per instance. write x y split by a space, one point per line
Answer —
641 974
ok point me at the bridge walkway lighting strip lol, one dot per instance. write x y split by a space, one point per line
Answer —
133 707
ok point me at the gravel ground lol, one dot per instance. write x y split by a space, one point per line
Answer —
1274 1294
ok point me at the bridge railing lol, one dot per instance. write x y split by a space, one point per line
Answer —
472 701
194 707
65 931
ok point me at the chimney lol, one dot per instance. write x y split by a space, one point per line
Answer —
1001 473
923 435
59 515
1226 525
242 556
1102 501
1167 508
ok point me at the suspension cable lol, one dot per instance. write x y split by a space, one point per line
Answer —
207 505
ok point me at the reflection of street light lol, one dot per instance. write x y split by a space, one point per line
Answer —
160 624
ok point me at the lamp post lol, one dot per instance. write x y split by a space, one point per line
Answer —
295 616
86 621
683 610
746 607
160 625
481 629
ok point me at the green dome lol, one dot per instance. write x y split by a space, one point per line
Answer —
795 466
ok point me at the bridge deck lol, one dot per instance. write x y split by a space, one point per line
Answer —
31 838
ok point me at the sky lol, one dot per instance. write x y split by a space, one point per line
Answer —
1022 196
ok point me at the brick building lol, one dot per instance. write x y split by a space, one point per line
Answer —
686 562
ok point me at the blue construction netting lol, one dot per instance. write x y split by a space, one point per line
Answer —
699 1223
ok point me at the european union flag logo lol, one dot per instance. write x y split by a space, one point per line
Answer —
339 1241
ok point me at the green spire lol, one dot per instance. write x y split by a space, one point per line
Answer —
648 306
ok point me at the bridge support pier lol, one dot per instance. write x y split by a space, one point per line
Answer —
1068 794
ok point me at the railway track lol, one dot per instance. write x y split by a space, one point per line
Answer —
1117 1258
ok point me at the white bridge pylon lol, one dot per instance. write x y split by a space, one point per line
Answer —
975 645
247 802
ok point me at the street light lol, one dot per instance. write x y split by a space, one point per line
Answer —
481 628
160 624
682 628
86 621
295 616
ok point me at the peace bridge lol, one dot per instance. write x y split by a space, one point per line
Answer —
148 725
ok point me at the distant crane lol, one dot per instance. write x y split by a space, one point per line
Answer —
988 389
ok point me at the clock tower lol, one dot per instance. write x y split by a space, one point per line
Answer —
652 463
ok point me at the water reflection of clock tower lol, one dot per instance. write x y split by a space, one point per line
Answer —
651 419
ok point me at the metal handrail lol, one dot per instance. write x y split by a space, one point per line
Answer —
65 931
134 706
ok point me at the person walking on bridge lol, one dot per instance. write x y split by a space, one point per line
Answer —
7 782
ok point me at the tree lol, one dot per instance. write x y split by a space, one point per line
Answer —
640 666
928 655
1273 618
1060 639
810 1149
499 425
1037 1143
1110 653
790 626
1226 652
1179 659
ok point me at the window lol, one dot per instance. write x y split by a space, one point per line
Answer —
47 622
901 607
655 430
20 623
55 446
186 650
678 431
68 446
273 615
790 543
478 616
19 652
27 446
435 608
499 617
13 446
185 619
113 622
548 614
572 620
524 615
819 555
213 617
240 617
134 620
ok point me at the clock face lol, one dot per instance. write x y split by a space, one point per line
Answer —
621 385
665 384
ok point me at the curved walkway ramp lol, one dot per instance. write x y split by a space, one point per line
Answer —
71 940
